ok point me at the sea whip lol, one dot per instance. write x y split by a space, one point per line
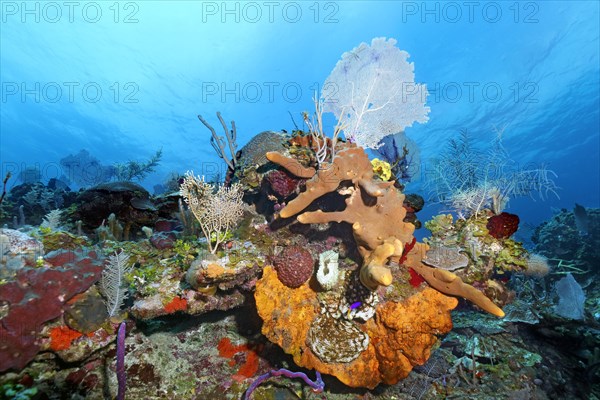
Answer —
121 361
318 385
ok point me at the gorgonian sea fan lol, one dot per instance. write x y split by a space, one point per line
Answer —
373 89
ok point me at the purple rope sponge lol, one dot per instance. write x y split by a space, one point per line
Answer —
121 361
318 385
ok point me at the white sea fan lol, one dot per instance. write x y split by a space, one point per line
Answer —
373 89
112 284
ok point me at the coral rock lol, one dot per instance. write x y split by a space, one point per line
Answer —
400 336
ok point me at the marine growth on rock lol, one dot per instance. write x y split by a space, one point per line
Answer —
294 266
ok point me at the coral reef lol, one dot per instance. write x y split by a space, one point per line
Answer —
560 238
321 330
376 212
213 317
400 335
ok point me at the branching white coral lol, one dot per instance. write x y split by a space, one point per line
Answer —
373 91
217 211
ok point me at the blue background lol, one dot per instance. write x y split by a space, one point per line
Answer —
141 71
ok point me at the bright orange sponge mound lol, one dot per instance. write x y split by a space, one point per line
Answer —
400 335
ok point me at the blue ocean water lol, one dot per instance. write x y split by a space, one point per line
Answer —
123 79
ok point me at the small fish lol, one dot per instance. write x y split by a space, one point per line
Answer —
353 306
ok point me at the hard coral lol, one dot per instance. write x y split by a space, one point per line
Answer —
503 225
294 266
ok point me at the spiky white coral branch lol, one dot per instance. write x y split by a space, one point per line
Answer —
112 284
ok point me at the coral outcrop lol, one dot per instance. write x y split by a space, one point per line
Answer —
375 211
362 331
400 335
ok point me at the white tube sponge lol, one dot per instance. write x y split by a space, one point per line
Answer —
373 89
329 272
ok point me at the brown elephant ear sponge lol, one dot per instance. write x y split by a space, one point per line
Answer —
400 335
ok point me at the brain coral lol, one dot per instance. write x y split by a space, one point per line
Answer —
253 153
294 266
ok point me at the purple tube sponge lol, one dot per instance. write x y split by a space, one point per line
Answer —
121 376
318 385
